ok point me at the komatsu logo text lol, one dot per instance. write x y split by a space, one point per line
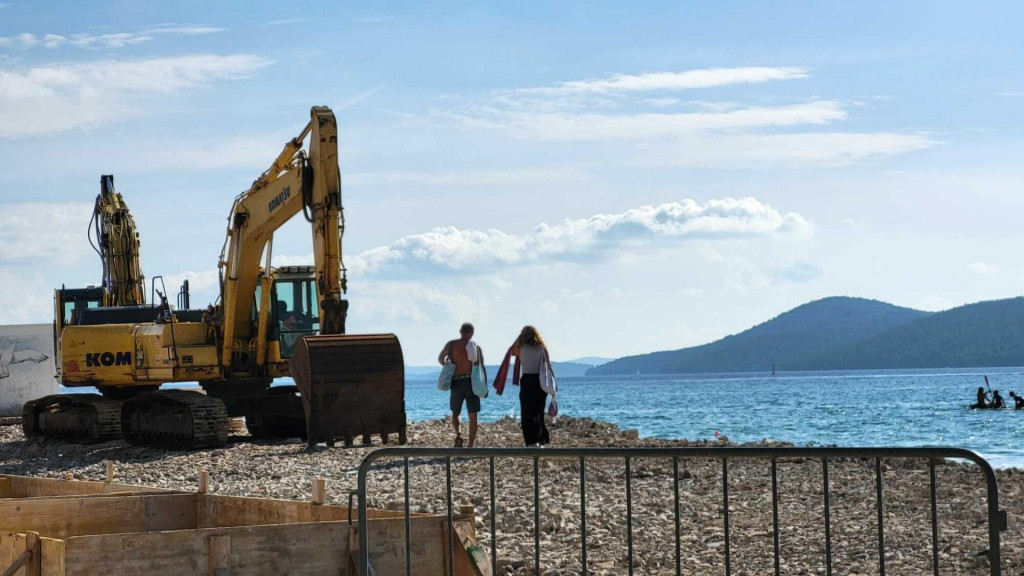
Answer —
276 201
108 359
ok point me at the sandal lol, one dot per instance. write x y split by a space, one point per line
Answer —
458 441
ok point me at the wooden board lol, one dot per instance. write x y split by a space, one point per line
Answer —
64 517
27 487
294 549
53 557
225 511
429 546
11 546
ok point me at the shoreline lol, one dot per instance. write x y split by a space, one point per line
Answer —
284 470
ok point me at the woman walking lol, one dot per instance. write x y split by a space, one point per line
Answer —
532 357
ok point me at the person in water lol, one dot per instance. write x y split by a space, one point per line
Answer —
982 398
464 353
997 400
1018 402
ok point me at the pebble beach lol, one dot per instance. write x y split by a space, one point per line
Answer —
284 469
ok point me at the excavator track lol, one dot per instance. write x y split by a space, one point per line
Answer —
175 420
73 417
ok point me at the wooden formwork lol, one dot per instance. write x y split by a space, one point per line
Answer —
74 528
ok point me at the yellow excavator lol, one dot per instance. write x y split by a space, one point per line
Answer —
267 323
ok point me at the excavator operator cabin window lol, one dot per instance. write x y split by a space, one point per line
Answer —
295 311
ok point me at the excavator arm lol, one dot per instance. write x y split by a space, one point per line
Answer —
116 240
297 181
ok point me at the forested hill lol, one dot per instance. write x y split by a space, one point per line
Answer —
983 334
791 340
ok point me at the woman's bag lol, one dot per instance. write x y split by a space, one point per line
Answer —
444 379
547 376
553 407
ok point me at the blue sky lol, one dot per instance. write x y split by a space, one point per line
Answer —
626 177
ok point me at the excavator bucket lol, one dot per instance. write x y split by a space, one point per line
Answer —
351 385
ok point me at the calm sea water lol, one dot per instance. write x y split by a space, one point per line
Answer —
861 408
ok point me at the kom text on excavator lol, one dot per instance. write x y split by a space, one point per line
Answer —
267 323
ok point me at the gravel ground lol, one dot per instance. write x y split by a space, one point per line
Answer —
284 470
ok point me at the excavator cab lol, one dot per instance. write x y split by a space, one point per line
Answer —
68 304
295 312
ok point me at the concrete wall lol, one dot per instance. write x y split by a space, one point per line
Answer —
26 365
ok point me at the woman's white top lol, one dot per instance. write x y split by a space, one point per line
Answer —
530 358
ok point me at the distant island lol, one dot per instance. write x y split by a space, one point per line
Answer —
842 333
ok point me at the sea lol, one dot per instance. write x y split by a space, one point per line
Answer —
847 408
842 408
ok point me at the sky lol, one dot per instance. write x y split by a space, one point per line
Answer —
627 178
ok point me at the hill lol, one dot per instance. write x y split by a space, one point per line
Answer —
787 341
976 335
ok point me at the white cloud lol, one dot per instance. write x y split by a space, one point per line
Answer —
374 19
286 21
111 40
37 233
660 102
685 80
58 97
183 30
646 126
242 151
770 150
527 175
659 130
449 249
202 281
23 41
982 269
26 297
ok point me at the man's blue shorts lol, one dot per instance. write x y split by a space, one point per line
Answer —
462 389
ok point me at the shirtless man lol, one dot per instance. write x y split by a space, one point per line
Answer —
464 353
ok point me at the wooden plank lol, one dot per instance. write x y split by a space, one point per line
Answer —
6 490
33 545
297 549
387 546
470 558
220 554
226 511
319 493
11 545
64 517
104 495
27 487
53 557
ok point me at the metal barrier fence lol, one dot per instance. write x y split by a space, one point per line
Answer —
997 520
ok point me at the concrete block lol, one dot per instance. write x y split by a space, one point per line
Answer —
27 369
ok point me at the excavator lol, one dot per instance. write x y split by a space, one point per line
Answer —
267 323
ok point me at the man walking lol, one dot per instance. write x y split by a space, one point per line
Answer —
464 354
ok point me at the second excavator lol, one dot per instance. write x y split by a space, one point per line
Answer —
267 323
